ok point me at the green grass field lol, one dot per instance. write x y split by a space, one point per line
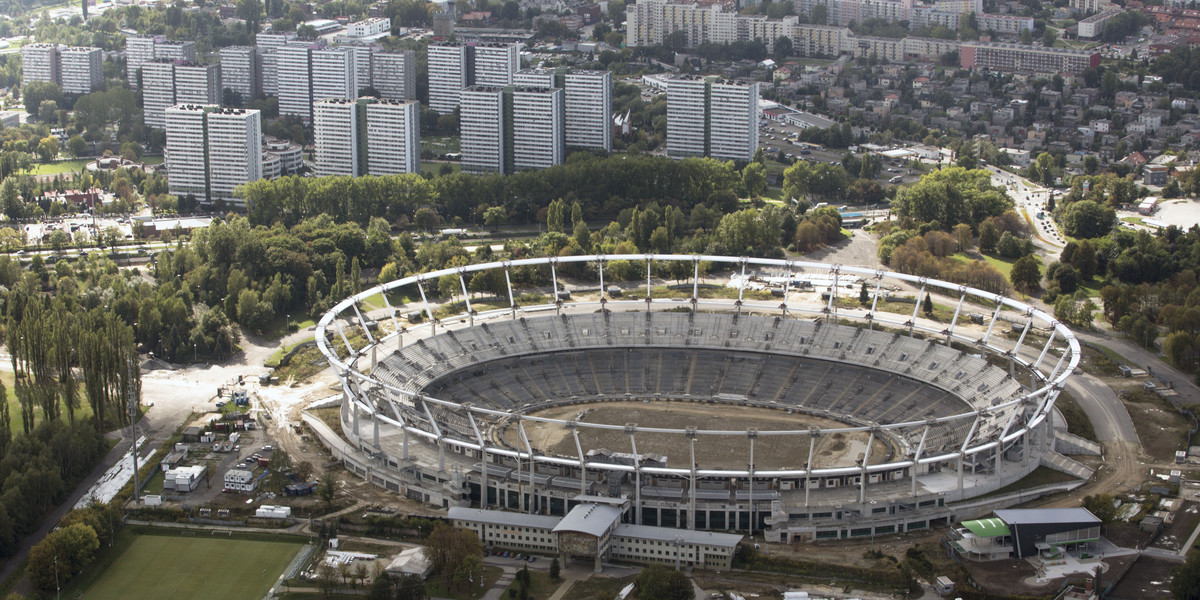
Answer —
161 566
66 166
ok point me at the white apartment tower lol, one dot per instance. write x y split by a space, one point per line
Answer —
142 49
240 70
687 116
197 83
394 74
712 118
732 120
588 103
158 91
449 74
235 151
482 130
270 40
337 137
537 128
294 74
495 63
363 55
367 136
334 73
139 50
270 73
186 156
393 137
210 151
81 69
39 62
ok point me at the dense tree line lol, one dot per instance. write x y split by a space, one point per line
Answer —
604 186
38 470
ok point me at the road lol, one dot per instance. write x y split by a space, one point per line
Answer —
1030 200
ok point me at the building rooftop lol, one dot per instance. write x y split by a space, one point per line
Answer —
500 517
592 519
1031 516
666 534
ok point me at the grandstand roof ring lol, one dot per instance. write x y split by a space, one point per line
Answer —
975 406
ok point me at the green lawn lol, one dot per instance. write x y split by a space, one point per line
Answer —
82 412
440 145
67 166
435 168
172 566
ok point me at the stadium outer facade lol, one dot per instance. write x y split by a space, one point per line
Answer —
941 456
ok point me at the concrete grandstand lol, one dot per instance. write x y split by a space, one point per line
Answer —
798 417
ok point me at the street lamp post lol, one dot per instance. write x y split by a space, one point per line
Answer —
57 588
194 352
287 324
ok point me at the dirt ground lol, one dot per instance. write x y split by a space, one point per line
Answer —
1149 578
728 452
1175 535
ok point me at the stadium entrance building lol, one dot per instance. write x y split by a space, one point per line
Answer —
1021 533
593 531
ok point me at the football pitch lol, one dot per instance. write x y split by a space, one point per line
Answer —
193 568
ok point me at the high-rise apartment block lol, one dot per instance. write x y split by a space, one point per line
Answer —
81 69
158 91
363 58
394 74
334 73
495 63
482 126
294 75
449 74
210 150
241 70
393 137
39 62
76 69
270 40
454 66
337 137
588 105
197 83
537 128
366 136
270 73
712 118
166 83
142 49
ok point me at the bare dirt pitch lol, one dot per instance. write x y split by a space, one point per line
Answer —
726 452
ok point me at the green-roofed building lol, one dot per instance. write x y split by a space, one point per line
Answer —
1028 532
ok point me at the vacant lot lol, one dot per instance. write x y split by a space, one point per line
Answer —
198 568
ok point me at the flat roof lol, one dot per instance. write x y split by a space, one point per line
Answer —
500 517
667 534
592 519
1034 516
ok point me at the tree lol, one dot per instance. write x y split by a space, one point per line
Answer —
77 146
863 295
494 217
1186 582
1090 164
64 552
928 308
1026 275
35 92
783 48
426 218
446 547
555 569
754 179
47 148
657 582
1049 38
326 578
327 488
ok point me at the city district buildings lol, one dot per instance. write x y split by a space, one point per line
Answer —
708 117
367 136
212 150
650 22
596 530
